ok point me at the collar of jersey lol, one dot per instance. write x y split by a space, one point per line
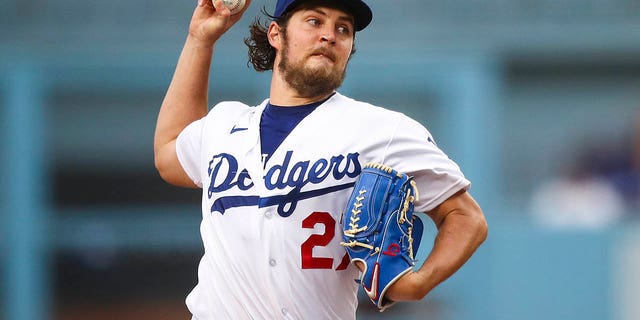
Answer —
296 109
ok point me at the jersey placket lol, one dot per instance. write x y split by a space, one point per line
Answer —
271 226
278 272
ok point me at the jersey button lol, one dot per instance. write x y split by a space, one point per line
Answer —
272 262
268 215
284 311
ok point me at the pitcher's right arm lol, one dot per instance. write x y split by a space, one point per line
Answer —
186 99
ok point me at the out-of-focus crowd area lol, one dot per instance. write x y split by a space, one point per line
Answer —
538 101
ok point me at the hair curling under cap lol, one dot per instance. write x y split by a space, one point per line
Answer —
360 11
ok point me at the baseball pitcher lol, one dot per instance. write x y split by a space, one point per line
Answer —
308 196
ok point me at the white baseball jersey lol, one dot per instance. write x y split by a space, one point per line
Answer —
271 231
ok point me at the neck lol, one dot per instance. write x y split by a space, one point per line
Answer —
282 94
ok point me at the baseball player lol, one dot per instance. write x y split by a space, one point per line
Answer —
276 176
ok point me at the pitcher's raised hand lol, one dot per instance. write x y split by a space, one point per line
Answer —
211 19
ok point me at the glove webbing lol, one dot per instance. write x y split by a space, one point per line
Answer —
354 225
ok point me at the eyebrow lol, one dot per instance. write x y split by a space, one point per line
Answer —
344 17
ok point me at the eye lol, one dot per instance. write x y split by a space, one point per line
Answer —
313 21
344 30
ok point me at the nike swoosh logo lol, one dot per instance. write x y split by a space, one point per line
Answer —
234 129
373 291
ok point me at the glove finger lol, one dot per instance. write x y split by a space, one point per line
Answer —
416 234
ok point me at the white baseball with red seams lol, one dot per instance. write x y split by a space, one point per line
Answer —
234 6
271 228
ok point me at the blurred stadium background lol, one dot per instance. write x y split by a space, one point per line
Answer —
538 101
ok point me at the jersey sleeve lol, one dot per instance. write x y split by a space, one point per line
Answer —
188 150
413 150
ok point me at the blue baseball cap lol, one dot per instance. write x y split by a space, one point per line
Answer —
360 11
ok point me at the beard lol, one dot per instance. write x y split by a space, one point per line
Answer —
310 81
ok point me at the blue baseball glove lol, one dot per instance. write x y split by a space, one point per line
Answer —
380 229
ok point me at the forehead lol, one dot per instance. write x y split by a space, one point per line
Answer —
324 8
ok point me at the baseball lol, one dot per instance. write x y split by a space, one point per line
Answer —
234 5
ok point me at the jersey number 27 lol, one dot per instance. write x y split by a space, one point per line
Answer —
320 240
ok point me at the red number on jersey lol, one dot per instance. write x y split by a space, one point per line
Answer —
317 240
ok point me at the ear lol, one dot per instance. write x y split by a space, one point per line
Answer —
274 35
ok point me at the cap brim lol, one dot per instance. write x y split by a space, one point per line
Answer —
362 14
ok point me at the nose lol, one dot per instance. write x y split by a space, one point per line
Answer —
329 35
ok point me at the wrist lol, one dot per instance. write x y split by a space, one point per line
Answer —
413 286
426 280
200 42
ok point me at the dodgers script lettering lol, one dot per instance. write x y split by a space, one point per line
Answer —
292 177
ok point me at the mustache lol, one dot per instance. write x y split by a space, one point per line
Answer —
325 52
